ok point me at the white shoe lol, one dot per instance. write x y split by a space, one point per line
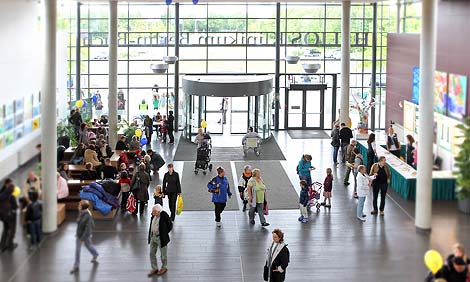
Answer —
218 224
361 219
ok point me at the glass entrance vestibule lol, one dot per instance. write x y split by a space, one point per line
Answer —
227 103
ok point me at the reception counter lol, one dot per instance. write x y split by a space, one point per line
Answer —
404 177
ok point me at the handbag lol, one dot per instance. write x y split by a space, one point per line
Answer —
266 208
131 204
266 273
179 205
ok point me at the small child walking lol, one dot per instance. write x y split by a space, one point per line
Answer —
363 188
33 219
125 183
303 201
327 187
158 195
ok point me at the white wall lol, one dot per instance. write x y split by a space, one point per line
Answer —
20 70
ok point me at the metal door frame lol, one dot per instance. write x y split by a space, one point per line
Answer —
304 88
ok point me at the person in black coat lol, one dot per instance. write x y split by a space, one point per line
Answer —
158 238
156 160
169 124
121 145
277 259
345 135
172 188
8 207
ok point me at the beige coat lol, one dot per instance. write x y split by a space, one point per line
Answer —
91 156
36 185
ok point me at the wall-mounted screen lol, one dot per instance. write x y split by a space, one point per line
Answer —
457 97
415 93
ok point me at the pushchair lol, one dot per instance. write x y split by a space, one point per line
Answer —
203 158
314 192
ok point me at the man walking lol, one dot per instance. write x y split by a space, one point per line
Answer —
170 126
380 184
345 135
158 238
84 229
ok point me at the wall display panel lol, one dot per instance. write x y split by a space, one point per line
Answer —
440 92
457 101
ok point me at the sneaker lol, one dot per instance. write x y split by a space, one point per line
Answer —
382 213
264 224
162 271
363 215
346 183
218 224
244 209
94 259
304 220
323 204
252 222
355 195
73 270
374 212
361 219
301 218
152 272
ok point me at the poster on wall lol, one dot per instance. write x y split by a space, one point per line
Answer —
444 132
9 137
457 97
2 141
409 116
28 126
36 123
415 90
28 107
440 92
19 132
9 123
2 119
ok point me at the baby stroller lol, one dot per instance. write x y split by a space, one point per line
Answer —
314 192
203 158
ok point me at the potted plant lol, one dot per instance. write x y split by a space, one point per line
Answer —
462 163
66 134
127 129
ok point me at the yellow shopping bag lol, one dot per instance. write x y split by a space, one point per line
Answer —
179 205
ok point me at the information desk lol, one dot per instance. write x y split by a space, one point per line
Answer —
404 177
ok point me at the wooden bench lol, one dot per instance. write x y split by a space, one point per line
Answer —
76 170
61 208
99 216
115 157
75 185
68 154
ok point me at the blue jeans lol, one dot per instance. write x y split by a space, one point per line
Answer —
34 228
335 154
260 210
360 206
78 246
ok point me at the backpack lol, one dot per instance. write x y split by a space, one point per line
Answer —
214 181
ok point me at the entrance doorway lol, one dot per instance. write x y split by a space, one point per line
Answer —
305 106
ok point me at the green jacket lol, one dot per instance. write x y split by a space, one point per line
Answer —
85 225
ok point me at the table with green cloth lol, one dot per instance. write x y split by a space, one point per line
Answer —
403 179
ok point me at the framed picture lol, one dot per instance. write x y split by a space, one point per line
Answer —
409 116
440 92
415 92
457 97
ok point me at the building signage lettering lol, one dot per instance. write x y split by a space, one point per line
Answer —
155 39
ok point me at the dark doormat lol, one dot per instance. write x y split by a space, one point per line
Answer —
308 134
270 150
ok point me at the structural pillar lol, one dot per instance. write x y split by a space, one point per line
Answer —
345 60
49 120
427 63
78 83
373 84
277 87
398 23
113 76
177 66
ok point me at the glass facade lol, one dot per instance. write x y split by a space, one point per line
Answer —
238 38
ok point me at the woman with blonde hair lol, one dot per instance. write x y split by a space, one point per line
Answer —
256 194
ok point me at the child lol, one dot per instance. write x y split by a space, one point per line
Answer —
303 201
327 187
363 186
147 160
125 182
33 219
357 162
158 195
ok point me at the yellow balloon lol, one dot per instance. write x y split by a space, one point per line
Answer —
79 104
138 132
433 260
16 191
203 124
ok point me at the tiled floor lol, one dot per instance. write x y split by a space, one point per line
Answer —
333 246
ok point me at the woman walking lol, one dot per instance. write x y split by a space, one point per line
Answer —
277 259
148 124
139 185
84 229
220 188
172 188
256 194
371 151
410 147
243 183
363 190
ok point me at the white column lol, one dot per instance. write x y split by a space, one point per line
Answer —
398 23
427 63
113 62
345 60
49 121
